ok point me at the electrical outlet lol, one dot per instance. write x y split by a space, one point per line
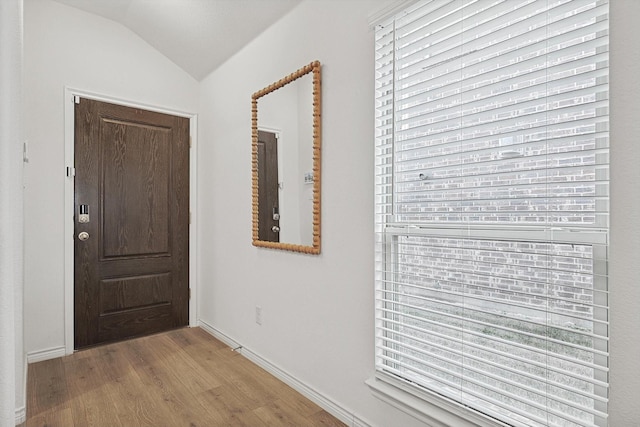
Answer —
258 315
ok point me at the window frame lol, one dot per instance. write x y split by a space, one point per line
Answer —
421 403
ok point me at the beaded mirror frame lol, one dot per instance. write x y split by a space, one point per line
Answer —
314 68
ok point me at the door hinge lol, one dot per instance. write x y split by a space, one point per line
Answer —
76 99
190 142
189 293
71 171
189 217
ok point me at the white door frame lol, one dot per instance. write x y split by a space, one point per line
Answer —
69 94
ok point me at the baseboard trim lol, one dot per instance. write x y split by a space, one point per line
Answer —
46 354
324 402
21 415
311 394
21 411
217 334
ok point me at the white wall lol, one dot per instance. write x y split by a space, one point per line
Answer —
624 254
317 311
68 47
12 360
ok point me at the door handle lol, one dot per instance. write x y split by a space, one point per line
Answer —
83 236
275 229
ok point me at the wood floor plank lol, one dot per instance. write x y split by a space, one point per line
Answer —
279 413
323 418
188 371
126 389
232 407
183 377
196 336
160 385
299 406
90 402
61 417
50 389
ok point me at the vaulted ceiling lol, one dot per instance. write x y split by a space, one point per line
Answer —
198 35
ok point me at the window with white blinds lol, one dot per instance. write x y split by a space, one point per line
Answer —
492 206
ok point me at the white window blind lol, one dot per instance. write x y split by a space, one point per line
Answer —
492 206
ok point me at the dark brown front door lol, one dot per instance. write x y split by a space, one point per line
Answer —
131 222
268 208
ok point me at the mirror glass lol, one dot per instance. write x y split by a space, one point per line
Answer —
286 162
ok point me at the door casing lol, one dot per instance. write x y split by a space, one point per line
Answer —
69 94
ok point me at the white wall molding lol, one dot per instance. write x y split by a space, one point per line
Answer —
21 409
45 354
217 334
69 93
21 415
429 408
325 403
316 397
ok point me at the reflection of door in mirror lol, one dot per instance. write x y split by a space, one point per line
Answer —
290 110
268 219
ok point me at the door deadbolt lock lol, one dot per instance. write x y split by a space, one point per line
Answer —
83 236
83 214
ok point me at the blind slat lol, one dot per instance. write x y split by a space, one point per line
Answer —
505 394
504 380
495 354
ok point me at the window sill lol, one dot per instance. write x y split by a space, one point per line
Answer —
429 408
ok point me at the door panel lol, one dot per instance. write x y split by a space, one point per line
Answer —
127 293
136 169
132 174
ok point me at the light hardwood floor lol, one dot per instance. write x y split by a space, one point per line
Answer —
183 377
